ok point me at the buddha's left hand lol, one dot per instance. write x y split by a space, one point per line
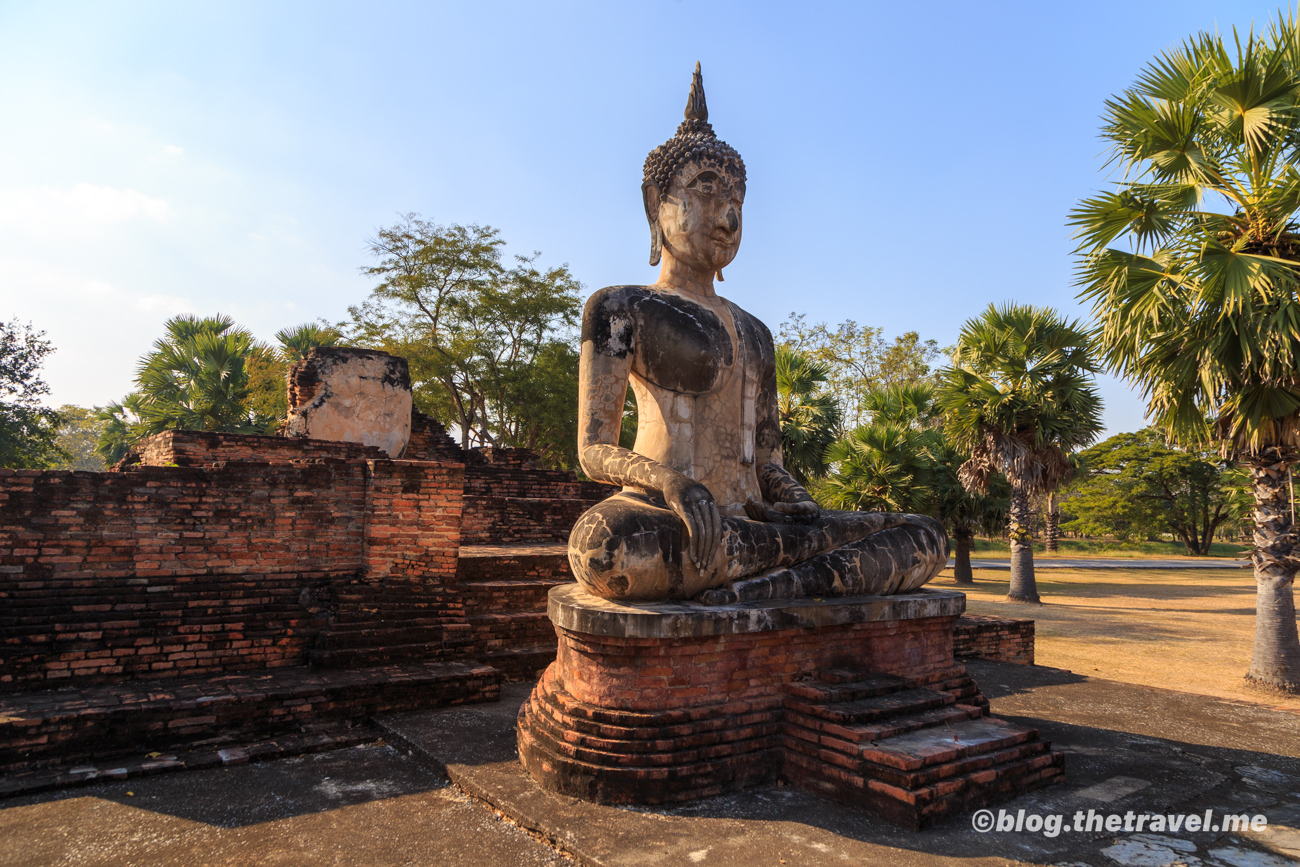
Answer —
784 513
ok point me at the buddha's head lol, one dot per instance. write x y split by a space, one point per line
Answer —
694 190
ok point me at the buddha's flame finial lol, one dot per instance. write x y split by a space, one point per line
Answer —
696 108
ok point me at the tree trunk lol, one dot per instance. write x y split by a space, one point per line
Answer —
961 571
1052 534
1023 588
1276 660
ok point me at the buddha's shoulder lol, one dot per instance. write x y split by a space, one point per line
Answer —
616 299
630 306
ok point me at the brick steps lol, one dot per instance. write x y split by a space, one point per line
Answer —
389 632
510 629
508 595
329 736
505 590
389 654
519 663
912 750
74 726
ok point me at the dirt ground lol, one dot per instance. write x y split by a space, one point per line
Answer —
1190 630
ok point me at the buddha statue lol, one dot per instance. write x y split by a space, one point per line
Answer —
706 510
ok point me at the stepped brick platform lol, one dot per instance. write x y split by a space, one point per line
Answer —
504 587
68 727
998 638
322 737
857 699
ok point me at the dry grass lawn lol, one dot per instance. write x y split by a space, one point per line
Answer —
1190 630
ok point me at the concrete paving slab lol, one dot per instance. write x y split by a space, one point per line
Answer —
1129 749
360 806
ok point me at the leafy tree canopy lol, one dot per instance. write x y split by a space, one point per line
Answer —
492 349
78 439
1137 487
858 359
28 430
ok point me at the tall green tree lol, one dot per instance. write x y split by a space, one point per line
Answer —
78 439
1191 263
28 430
1137 487
858 360
1018 398
492 349
810 416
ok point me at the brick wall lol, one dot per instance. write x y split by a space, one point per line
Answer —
650 675
213 552
509 499
186 448
997 638
412 511
160 571
244 517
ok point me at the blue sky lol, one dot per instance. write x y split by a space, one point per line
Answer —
908 163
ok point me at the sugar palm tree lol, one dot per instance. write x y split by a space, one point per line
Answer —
195 378
1198 301
296 342
964 512
880 467
1019 396
810 418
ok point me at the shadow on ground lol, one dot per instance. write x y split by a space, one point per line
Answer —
1128 748
250 794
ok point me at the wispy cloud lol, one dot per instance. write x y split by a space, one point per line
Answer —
83 206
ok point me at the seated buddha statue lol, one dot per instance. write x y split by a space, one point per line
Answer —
706 510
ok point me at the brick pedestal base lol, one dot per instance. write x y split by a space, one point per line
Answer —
856 699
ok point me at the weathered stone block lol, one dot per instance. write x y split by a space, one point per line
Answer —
351 395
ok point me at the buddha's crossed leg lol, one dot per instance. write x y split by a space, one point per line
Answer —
630 547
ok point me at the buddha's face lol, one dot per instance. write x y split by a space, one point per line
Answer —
700 216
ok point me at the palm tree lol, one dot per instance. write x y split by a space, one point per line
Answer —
810 418
966 513
1052 507
195 378
296 342
1200 307
1019 396
880 467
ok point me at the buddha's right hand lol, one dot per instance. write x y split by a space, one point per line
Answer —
693 503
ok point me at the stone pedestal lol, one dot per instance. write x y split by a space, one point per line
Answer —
857 699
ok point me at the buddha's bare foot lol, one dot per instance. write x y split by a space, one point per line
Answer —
718 596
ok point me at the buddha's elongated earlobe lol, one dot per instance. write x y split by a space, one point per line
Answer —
650 197
718 274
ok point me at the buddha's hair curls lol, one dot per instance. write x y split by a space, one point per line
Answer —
694 140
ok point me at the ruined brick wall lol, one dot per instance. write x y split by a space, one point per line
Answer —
509 499
997 638
430 441
187 448
159 571
413 517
